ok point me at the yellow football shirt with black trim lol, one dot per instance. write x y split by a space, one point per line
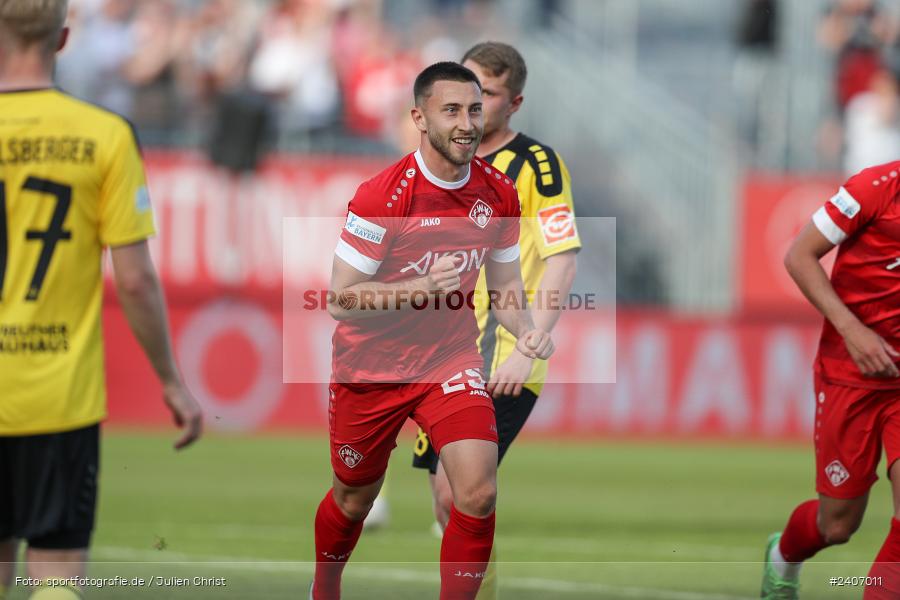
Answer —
71 183
548 228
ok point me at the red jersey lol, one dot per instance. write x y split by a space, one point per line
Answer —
863 218
398 224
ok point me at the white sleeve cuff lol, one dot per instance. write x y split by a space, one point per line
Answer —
505 255
827 227
356 259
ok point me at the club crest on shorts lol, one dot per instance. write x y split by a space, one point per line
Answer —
350 456
836 473
481 213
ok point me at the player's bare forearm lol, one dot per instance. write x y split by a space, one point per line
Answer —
504 281
143 302
373 298
556 283
802 263
355 296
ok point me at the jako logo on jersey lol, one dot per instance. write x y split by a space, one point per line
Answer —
481 213
410 173
894 265
472 259
430 222
350 456
845 203
836 473
557 224
364 229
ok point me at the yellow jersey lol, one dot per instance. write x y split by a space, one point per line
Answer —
71 183
547 228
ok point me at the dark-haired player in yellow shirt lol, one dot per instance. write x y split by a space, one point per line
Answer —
71 184
549 243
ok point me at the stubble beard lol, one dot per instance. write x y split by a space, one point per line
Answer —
443 146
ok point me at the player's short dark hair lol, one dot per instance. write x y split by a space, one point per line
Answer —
498 58
442 71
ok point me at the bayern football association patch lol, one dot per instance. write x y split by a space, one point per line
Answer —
349 456
836 473
481 213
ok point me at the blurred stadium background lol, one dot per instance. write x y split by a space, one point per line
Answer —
711 130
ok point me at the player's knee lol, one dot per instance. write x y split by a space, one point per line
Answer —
354 506
839 531
479 500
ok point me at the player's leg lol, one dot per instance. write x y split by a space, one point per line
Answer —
884 576
848 448
471 468
363 431
58 476
813 526
338 525
45 564
511 414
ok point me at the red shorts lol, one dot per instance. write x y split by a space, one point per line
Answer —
851 426
365 419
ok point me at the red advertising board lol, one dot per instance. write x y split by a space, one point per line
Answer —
774 209
673 377
224 232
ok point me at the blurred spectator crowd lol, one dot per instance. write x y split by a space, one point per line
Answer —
863 37
861 40
238 74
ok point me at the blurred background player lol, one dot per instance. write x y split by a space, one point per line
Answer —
856 377
71 183
549 242
393 362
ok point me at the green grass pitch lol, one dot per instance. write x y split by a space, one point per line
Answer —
576 520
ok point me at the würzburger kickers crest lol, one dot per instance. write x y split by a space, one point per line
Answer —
481 213
350 456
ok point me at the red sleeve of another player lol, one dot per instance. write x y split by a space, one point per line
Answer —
506 249
856 204
366 236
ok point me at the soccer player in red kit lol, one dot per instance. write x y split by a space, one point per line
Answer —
418 233
857 381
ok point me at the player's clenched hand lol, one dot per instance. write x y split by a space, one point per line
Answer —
444 274
535 343
186 412
871 353
507 380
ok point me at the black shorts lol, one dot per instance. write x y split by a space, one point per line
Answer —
48 488
511 413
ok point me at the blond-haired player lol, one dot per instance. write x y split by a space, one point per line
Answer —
71 184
